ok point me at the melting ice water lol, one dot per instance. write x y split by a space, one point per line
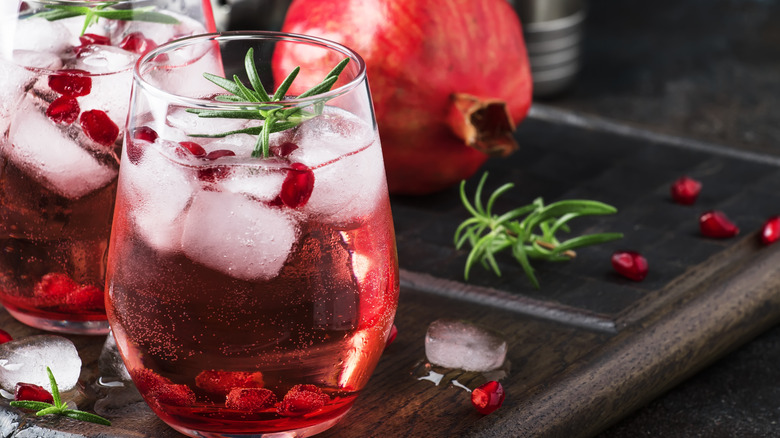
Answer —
25 360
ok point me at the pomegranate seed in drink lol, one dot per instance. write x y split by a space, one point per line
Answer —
251 400
73 83
770 231
630 264
194 148
302 399
99 127
91 38
5 337
136 42
86 297
222 382
64 110
216 173
30 392
297 186
54 288
176 395
147 380
219 153
685 190
134 150
284 149
715 224
488 397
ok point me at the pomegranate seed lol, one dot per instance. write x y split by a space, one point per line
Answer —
99 127
685 190
71 83
715 224
147 380
145 133
216 173
54 288
30 392
219 153
284 149
302 399
176 395
297 186
134 150
136 42
630 264
86 297
91 38
63 110
222 382
488 397
770 232
194 148
250 399
5 337
391 336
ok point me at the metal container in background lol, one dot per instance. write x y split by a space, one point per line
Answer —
553 37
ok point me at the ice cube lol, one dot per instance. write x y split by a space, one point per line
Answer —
193 124
53 154
38 34
237 236
349 174
106 59
159 191
258 183
111 94
462 345
16 81
110 362
38 59
25 360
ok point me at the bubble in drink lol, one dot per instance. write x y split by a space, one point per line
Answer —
462 345
250 242
25 360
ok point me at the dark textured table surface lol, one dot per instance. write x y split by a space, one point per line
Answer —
702 72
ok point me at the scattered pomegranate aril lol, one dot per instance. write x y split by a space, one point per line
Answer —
86 297
488 397
194 148
685 190
770 231
5 337
391 336
176 395
222 382
285 149
251 400
54 288
297 186
715 224
630 264
302 399
30 392
136 42
99 127
71 83
64 110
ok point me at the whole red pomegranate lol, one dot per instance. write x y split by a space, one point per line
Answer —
450 79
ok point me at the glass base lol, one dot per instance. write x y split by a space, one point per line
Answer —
295 433
62 326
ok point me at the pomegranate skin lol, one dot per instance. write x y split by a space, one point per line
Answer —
419 54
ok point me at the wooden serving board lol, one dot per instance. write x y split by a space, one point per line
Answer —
587 348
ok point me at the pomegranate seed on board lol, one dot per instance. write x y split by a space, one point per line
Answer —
72 83
488 397
715 224
770 231
685 190
297 186
30 392
136 42
630 264
64 110
99 127
250 399
5 337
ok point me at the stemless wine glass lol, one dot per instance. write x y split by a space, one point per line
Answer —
67 71
252 272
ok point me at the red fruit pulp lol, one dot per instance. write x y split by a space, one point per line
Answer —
5 337
685 190
715 224
30 392
54 288
297 186
301 400
630 264
488 397
770 231
64 110
99 127
73 83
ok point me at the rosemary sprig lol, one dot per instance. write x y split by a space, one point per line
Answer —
532 237
275 118
104 10
58 408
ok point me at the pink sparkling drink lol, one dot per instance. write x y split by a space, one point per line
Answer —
63 105
250 296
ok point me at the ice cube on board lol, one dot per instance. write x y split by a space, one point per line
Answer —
237 236
25 360
462 345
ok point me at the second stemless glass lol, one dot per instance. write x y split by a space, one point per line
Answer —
63 104
252 273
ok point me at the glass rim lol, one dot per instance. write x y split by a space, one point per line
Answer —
138 79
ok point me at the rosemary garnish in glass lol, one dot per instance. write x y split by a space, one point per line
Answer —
104 10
